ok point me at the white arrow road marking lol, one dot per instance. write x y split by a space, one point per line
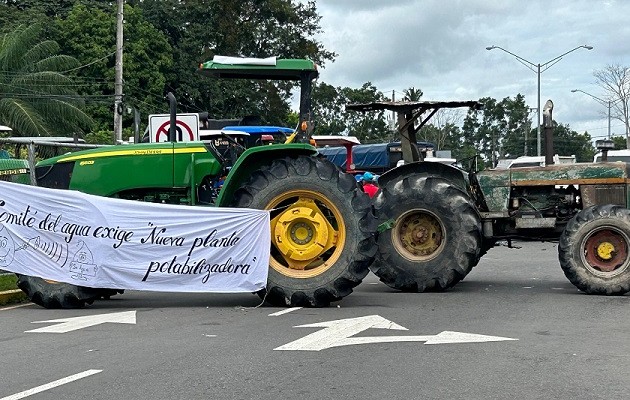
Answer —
339 333
72 324
51 385
288 310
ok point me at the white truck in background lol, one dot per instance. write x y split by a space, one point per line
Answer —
614 155
533 161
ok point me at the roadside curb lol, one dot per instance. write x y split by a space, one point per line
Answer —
12 296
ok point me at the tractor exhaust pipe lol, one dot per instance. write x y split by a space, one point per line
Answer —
548 126
172 103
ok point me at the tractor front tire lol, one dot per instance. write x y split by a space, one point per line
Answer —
433 236
594 250
51 294
322 230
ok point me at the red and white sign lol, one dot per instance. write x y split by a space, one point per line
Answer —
186 125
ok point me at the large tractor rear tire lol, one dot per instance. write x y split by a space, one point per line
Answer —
435 235
594 250
322 230
51 294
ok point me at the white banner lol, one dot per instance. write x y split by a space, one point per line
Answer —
93 241
244 60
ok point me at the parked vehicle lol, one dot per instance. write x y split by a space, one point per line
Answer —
323 232
614 155
534 161
437 221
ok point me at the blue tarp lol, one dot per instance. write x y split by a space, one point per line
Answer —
363 155
368 156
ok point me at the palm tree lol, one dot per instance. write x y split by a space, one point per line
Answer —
36 95
412 94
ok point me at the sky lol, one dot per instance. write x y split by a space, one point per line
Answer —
439 46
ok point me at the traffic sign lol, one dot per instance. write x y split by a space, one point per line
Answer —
186 125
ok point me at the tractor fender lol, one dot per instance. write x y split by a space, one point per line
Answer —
252 160
456 176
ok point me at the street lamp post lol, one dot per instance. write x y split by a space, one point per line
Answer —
607 103
539 69
527 129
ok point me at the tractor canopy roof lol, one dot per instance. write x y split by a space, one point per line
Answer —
259 68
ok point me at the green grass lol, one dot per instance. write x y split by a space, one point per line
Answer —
8 282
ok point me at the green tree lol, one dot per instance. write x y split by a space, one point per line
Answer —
568 142
443 129
498 129
37 97
12 16
328 103
25 12
620 142
50 8
332 118
412 94
90 34
251 28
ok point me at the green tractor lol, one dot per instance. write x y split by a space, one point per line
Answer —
436 220
14 170
321 222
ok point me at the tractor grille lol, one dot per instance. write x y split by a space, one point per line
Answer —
603 194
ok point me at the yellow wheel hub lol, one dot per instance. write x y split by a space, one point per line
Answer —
306 234
605 250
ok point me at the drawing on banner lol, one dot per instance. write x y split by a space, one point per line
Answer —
83 263
7 247
57 252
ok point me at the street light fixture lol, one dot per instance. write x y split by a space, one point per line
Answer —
607 103
539 69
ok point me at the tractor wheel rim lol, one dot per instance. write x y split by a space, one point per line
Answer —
307 233
605 251
418 235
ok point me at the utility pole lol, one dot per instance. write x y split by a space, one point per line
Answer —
607 103
527 128
393 112
118 73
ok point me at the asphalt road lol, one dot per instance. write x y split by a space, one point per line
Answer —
569 345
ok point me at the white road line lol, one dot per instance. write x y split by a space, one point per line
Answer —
17 306
51 385
288 310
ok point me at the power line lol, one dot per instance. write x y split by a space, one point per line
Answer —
90 63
